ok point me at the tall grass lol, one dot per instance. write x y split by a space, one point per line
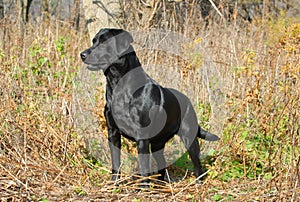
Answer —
39 140
243 81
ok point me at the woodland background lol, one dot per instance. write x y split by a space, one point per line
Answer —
238 61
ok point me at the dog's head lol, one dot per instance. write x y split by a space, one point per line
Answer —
108 46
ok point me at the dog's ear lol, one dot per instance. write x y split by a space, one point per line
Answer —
122 41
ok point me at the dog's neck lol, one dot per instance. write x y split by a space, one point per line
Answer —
120 67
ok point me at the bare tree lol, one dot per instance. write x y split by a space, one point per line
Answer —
1 27
99 14
75 14
1 9
20 6
45 9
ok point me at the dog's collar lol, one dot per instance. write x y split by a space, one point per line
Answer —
130 51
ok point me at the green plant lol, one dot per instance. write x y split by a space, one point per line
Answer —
184 162
80 191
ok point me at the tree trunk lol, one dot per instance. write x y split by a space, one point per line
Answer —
1 9
1 24
75 14
45 10
100 14
21 9
27 7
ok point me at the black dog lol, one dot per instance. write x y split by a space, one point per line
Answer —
139 108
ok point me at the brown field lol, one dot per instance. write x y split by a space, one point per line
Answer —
243 80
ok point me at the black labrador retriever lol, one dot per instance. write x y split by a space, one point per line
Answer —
139 108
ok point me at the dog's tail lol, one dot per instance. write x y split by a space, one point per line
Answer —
203 134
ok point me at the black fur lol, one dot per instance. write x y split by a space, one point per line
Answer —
139 108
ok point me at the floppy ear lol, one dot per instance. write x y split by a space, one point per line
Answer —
122 41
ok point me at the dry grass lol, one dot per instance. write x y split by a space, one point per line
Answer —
244 83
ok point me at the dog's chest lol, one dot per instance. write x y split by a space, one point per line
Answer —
136 106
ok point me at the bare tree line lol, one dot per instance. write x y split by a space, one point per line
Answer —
26 11
146 13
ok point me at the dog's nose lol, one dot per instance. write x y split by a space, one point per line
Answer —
83 55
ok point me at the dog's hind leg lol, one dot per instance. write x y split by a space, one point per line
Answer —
188 132
144 159
188 135
158 155
194 153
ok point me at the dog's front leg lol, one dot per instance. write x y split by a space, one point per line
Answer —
114 138
144 158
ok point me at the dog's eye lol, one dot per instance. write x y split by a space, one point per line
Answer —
94 40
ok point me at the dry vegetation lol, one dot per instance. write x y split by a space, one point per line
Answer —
244 81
